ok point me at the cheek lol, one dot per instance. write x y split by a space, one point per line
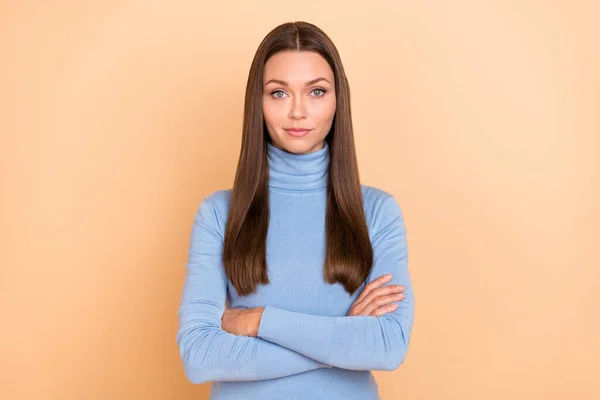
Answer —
325 112
272 112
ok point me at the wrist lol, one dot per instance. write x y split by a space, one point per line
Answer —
257 313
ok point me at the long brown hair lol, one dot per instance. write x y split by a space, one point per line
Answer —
349 251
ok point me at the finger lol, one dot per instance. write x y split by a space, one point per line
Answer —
372 285
382 301
386 290
368 307
384 310
374 294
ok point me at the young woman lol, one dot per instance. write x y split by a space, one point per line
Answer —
312 264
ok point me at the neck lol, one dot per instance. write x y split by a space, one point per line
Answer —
298 171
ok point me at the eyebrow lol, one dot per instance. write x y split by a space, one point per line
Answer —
285 83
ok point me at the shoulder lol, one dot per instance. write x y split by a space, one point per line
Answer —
373 195
219 200
377 200
213 208
381 207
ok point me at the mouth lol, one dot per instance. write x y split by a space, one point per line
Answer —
297 131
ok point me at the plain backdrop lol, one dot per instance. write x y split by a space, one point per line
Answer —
117 117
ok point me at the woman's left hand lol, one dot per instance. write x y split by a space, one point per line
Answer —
242 321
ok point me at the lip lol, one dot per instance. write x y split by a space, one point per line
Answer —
297 131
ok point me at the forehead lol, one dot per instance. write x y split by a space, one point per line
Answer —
297 66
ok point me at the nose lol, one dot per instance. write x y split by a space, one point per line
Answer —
297 110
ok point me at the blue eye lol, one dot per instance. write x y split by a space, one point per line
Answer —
320 90
277 91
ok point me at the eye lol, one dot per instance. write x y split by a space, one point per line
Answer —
320 90
277 91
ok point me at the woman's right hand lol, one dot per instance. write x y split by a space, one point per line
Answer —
375 299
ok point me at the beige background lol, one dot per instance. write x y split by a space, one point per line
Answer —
117 117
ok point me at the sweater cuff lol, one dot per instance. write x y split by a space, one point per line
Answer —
270 320
295 331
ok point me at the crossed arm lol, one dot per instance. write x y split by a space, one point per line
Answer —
289 342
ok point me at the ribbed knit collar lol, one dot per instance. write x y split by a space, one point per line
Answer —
298 171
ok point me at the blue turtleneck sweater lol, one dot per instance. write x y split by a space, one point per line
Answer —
307 347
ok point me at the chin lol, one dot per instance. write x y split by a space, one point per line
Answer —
299 147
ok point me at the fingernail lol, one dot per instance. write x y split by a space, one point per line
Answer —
387 276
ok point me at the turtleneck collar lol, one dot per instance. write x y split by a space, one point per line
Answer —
298 171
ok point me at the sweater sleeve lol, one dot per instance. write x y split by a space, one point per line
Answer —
356 342
209 353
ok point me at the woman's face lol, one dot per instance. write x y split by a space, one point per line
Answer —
298 92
